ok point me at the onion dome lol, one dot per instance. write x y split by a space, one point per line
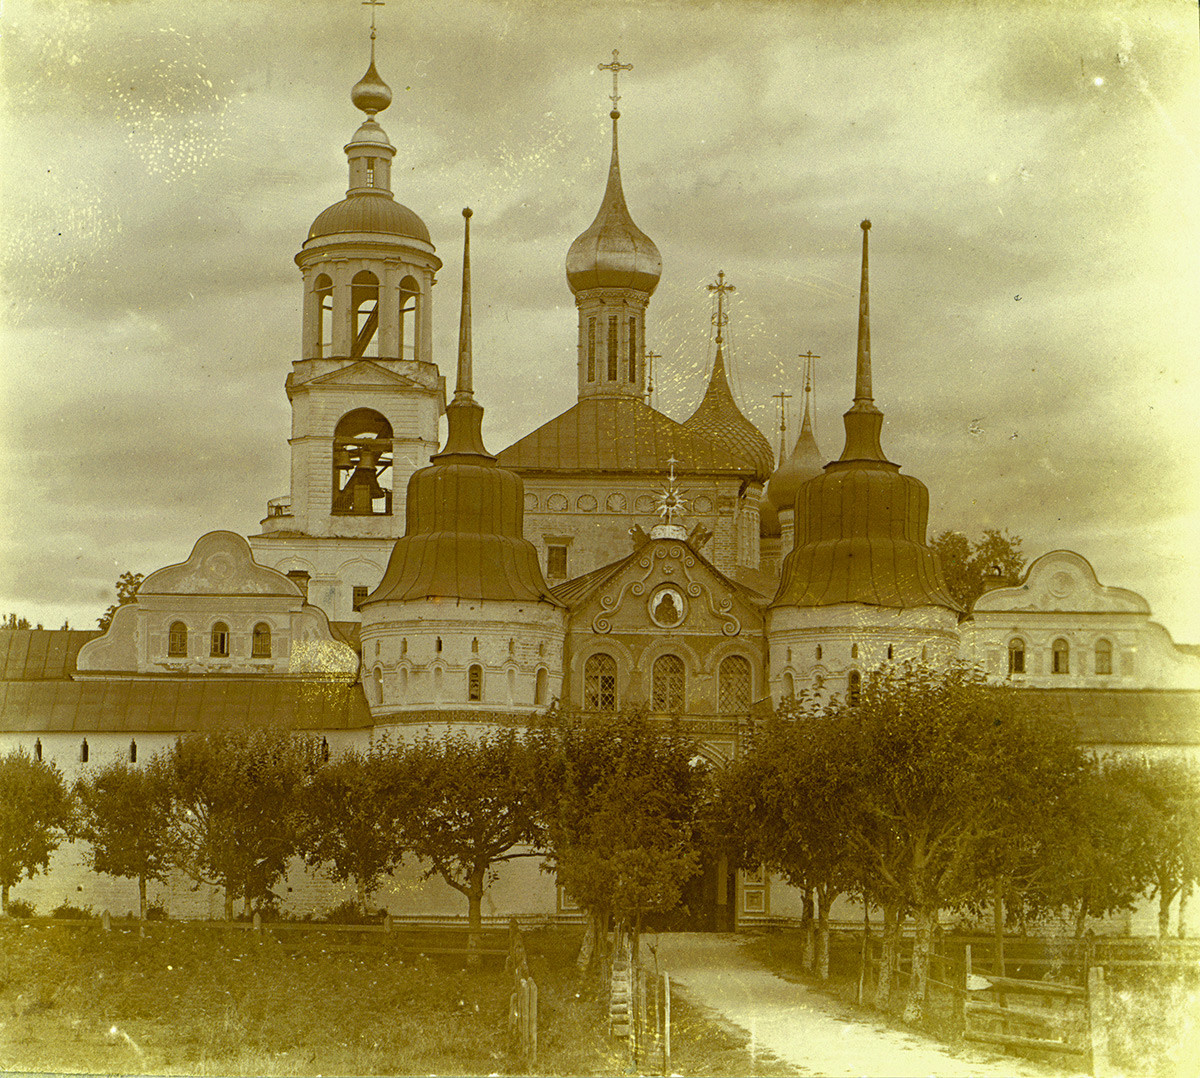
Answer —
369 205
793 472
768 519
613 252
861 525
720 420
464 535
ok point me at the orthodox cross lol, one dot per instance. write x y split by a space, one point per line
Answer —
671 461
650 358
615 67
373 4
783 398
808 357
721 288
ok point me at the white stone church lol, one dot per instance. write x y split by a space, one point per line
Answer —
612 557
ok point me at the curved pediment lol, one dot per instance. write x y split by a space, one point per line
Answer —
1062 581
221 563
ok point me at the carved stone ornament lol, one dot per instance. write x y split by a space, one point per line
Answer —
667 607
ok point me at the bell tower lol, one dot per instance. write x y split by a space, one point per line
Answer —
366 396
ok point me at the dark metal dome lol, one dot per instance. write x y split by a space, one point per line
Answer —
370 213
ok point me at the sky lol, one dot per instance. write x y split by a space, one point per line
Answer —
1031 171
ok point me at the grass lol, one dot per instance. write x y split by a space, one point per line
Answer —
185 999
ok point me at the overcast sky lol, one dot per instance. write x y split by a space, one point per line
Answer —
1031 172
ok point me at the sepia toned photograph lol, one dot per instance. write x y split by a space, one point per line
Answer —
600 537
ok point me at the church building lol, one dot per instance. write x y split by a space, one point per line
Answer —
613 557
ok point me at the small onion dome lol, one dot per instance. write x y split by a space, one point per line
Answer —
370 213
768 519
371 94
797 469
720 420
613 252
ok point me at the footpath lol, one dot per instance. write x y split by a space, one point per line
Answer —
804 1028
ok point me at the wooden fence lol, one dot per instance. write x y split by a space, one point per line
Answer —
640 1012
523 1002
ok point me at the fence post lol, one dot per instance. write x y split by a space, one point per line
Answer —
1097 1005
666 1023
533 1022
960 1008
106 921
387 923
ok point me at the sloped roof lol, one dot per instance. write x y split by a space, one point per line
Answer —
619 434
41 654
1127 716
171 705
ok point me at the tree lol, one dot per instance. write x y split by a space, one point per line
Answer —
35 816
127 587
235 798
13 621
969 567
465 804
125 815
621 801
347 822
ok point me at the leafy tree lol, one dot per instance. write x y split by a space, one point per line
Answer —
235 799
127 587
347 822
621 803
35 816
13 621
464 805
125 815
969 566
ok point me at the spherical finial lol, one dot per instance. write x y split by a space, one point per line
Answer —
468 212
614 115
865 225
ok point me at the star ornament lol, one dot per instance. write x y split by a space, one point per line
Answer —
671 503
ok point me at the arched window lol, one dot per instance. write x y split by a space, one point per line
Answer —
1016 655
512 686
219 645
818 653
362 464
1104 657
1060 657
600 683
854 688
437 645
177 641
364 307
403 685
789 687
666 678
377 677
889 651
404 645
37 749
323 289
410 293
133 752
733 686
540 686
474 645
260 647
854 651
475 682
83 751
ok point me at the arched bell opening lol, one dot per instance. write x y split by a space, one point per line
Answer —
410 319
323 293
364 306
362 464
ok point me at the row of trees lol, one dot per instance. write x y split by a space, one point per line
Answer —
940 792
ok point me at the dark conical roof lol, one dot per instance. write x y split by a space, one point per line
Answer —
720 420
860 525
798 468
464 527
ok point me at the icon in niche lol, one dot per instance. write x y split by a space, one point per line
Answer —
667 607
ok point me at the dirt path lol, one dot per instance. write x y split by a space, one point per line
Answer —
805 1028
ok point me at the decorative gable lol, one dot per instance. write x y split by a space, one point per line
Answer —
1062 581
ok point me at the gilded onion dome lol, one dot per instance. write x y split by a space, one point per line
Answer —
464 535
798 468
613 252
369 205
860 525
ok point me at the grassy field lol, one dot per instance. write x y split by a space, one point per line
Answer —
192 1000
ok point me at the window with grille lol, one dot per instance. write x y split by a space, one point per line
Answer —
854 688
1060 657
600 683
1016 656
260 645
733 686
556 561
475 683
220 641
359 596
1103 657
667 683
177 640
613 323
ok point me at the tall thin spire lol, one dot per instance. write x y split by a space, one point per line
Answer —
464 390
464 414
863 421
806 423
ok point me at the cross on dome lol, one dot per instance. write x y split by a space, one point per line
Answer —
721 289
616 67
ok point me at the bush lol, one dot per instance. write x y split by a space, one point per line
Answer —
350 913
20 908
157 911
68 912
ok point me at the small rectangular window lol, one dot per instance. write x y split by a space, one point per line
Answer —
613 323
370 172
475 683
633 350
591 350
360 593
556 562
